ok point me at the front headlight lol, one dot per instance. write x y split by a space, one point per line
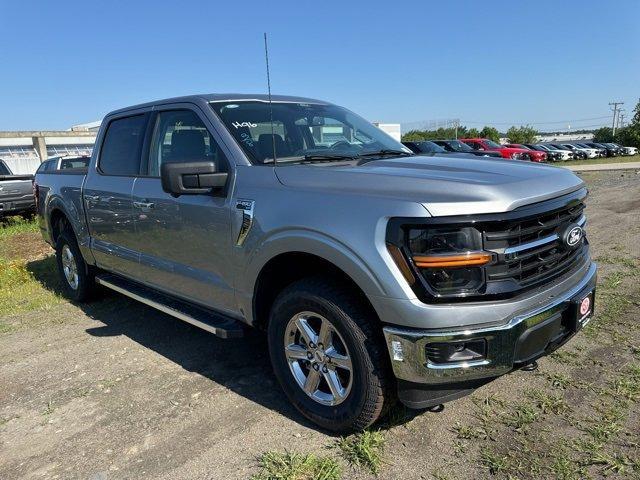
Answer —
449 261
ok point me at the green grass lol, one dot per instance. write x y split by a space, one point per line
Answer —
22 287
600 161
494 462
13 225
295 466
363 450
25 284
548 402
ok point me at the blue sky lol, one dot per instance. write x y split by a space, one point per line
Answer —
499 62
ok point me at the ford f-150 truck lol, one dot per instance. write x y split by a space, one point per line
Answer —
16 193
377 274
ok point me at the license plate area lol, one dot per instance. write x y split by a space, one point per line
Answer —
580 311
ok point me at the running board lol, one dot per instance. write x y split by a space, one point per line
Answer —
223 327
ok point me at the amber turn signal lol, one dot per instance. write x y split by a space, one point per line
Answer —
402 264
446 261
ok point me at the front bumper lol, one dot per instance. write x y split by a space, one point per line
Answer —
522 339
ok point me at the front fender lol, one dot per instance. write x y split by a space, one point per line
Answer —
310 242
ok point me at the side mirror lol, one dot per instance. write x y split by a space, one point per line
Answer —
191 178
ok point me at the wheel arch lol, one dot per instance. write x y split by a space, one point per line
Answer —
282 262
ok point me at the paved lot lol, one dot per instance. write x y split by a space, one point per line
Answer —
605 166
117 390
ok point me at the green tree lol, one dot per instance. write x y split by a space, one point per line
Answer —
473 133
604 134
523 134
413 136
491 133
630 136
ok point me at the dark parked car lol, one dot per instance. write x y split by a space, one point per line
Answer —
460 147
577 153
552 155
430 148
609 151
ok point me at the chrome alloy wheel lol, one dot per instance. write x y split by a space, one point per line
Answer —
318 358
70 267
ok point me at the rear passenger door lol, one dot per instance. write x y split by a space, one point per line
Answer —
107 194
184 242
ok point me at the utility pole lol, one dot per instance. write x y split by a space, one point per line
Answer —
615 115
621 118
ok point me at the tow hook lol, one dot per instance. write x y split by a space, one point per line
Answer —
436 408
530 367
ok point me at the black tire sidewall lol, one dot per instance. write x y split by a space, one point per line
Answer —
82 292
340 417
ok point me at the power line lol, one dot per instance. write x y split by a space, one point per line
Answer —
538 123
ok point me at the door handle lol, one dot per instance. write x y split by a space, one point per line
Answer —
144 205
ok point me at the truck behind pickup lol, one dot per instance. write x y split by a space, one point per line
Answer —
376 273
16 192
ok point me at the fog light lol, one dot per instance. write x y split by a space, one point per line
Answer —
459 351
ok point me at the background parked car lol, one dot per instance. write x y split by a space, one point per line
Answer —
590 152
577 153
608 151
16 196
458 146
536 155
65 162
625 150
552 155
564 151
484 145
429 148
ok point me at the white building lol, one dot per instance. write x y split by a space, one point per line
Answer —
391 129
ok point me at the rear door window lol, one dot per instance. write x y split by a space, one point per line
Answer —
120 154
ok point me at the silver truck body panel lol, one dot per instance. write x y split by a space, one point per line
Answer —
16 194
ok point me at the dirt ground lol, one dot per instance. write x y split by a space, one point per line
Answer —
115 390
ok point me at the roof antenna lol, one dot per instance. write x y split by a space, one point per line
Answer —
273 137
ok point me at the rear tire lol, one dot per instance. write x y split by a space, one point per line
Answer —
354 354
76 276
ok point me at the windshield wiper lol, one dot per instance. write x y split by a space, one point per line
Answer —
384 152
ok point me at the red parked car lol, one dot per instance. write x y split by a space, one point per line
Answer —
506 152
536 156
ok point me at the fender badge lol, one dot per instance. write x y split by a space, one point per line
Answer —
246 206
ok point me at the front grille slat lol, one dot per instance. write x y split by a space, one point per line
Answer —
537 263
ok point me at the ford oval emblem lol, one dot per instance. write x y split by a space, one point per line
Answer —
573 235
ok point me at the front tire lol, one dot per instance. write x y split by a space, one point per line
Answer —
76 276
328 356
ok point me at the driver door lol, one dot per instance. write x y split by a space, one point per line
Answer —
184 242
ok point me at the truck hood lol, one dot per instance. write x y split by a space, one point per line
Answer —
444 185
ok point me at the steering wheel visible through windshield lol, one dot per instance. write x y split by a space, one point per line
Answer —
303 132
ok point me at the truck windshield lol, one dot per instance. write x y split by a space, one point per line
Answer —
303 132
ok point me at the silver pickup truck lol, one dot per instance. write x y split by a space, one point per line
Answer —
376 273
16 192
